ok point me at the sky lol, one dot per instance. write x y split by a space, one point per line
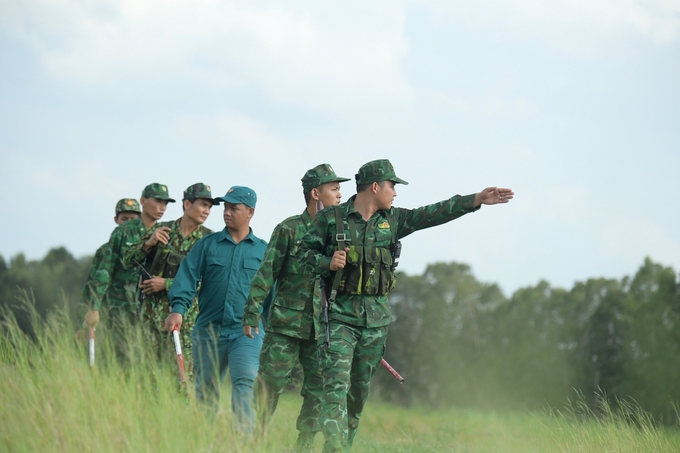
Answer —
573 104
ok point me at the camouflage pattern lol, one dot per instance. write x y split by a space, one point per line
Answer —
318 245
157 305
158 191
128 205
376 171
348 366
292 312
88 296
359 322
114 285
293 323
319 175
279 353
199 190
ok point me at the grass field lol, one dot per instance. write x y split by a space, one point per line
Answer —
53 402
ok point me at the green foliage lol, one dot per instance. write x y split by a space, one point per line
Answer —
461 342
53 402
458 341
55 280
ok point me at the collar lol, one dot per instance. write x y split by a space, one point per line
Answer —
306 217
225 236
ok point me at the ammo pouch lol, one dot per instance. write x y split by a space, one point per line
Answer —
368 271
172 263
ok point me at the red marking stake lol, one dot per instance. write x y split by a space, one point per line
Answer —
392 371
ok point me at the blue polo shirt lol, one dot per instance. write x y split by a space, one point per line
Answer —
224 270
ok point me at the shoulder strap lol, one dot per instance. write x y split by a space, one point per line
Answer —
340 238
393 225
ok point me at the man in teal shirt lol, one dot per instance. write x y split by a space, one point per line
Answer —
223 263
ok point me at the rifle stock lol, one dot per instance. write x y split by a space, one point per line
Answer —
144 275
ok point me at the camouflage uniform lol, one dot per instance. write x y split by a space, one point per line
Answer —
115 285
163 261
88 296
361 314
293 323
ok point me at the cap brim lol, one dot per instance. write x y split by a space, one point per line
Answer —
213 201
228 200
399 181
340 180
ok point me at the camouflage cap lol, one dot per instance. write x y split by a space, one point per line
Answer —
127 205
321 174
376 171
199 190
158 191
240 194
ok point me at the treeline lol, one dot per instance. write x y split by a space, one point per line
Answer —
462 342
56 282
459 341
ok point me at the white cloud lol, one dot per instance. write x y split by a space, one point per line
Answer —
570 24
340 59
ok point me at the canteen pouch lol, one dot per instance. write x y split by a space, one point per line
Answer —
172 263
387 274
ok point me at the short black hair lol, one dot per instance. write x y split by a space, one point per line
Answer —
308 197
190 200
363 187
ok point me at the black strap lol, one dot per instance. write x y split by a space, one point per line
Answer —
340 239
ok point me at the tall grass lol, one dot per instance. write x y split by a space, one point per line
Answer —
52 402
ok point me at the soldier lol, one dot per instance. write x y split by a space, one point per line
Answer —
361 249
293 324
115 285
223 263
160 250
126 209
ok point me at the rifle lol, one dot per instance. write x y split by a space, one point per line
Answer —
144 275
326 305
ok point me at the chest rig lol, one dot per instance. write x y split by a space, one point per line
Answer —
371 258
166 259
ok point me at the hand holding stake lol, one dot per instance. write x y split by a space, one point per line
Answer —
178 349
